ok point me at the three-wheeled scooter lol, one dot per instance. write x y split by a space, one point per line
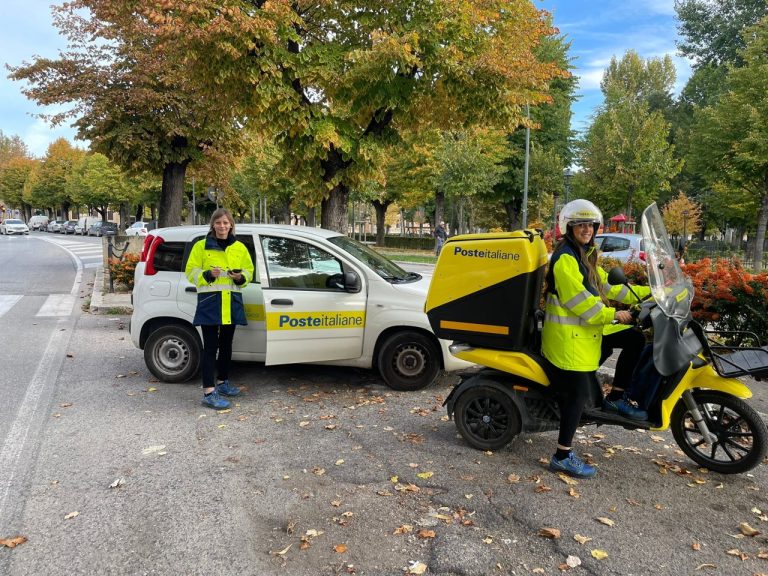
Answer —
485 296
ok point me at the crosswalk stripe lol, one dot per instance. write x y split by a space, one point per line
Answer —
7 301
57 305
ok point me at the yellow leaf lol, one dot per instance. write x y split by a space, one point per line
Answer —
417 568
572 493
220 426
394 479
153 389
747 530
581 539
606 521
339 462
598 554
567 479
425 475
283 551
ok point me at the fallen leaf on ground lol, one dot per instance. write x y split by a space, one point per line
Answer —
71 515
581 539
552 533
340 548
737 552
696 546
66 404
747 530
424 533
700 566
13 542
513 478
117 483
416 567
153 450
598 554
425 475
567 479
283 551
573 561
404 529
606 521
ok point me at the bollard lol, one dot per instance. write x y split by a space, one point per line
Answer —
109 259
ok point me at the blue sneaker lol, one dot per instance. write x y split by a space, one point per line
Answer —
213 400
227 389
628 410
573 466
610 405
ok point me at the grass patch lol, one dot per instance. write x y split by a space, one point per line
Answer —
400 255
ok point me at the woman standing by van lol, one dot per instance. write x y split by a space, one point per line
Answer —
220 267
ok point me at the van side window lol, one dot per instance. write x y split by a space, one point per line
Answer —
168 257
296 264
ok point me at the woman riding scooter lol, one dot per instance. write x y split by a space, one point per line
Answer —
577 292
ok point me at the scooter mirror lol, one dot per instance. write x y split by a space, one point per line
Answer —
616 276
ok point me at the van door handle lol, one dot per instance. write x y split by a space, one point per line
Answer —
282 302
190 289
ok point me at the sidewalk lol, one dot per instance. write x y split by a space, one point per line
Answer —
105 302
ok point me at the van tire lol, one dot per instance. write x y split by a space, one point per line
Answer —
173 353
409 361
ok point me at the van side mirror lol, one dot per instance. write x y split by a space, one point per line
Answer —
352 282
616 276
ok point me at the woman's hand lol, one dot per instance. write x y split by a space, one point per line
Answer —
216 272
236 276
623 317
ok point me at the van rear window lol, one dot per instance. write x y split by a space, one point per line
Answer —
168 257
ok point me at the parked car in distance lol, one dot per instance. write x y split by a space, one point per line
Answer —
137 229
317 297
38 222
108 229
84 223
13 226
620 246
95 228
69 227
56 225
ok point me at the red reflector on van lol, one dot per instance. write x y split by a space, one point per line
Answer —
641 256
149 269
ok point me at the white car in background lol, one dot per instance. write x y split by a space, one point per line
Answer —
137 229
317 297
13 226
621 247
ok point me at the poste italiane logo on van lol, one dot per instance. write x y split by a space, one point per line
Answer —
314 320
490 254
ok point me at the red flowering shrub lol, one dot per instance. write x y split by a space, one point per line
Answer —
727 297
122 271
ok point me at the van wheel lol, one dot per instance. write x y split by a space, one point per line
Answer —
409 361
172 353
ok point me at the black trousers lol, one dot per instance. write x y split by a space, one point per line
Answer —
217 339
631 341
574 391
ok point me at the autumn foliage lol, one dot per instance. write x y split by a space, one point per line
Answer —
728 297
122 270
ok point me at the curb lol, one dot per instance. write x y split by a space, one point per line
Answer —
109 303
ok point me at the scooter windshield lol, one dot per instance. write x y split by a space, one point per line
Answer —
671 289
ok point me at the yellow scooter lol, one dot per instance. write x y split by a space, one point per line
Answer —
485 295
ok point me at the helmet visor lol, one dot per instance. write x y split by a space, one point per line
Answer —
580 222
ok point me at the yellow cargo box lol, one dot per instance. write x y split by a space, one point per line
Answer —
486 288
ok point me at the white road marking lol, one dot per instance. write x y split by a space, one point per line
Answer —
45 375
7 301
57 305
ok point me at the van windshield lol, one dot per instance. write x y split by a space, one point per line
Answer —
384 267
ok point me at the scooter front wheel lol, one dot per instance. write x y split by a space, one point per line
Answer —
487 417
740 434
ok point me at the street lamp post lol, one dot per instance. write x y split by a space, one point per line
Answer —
567 175
685 230
555 196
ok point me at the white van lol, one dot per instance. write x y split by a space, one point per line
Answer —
83 223
39 222
317 297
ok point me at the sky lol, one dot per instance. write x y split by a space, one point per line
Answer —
597 30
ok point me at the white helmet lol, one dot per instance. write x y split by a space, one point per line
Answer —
578 211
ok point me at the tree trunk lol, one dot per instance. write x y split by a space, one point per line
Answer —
333 210
381 213
512 209
311 217
762 220
286 209
439 209
140 213
172 194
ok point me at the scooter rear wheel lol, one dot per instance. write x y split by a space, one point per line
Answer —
487 417
741 434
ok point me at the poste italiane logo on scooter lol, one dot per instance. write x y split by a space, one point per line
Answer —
490 254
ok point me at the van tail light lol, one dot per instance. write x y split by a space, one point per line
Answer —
145 248
641 255
150 245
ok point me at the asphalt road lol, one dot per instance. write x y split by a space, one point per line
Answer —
324 470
